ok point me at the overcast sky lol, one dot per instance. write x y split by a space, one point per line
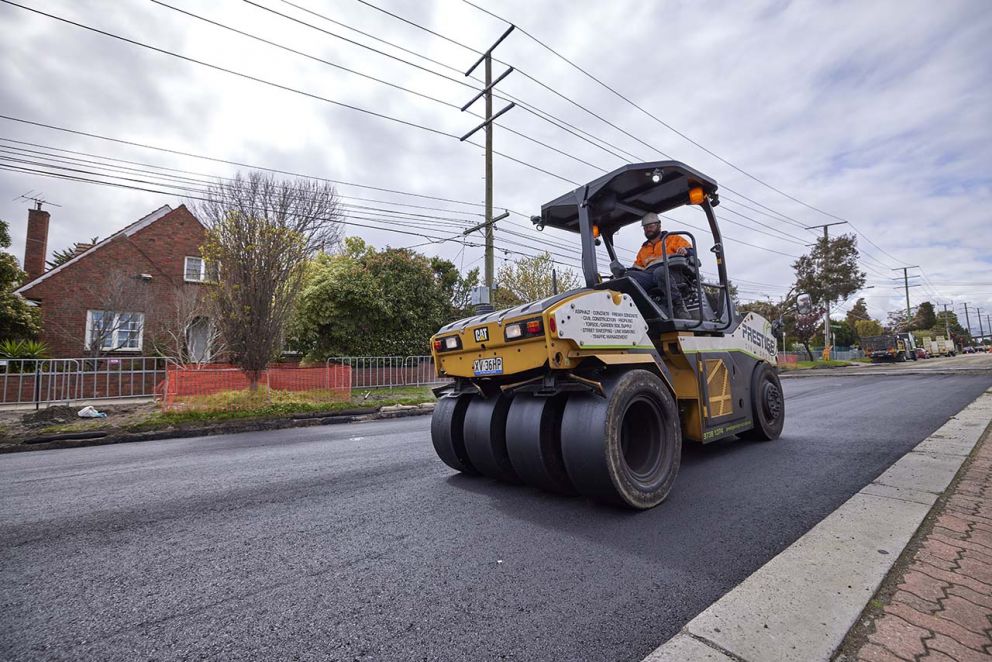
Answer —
878 113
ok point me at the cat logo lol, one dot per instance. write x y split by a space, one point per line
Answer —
482 334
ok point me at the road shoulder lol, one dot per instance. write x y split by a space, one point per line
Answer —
802 603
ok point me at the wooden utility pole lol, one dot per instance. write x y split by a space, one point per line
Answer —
487 124
967 319
947 322
826 302
905 279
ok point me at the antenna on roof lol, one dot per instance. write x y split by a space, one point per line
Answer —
37 197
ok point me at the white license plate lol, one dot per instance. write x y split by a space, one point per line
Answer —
493 366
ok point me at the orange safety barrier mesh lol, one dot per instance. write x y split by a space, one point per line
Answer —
218 386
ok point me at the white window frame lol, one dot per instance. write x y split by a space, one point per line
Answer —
203 269
114 336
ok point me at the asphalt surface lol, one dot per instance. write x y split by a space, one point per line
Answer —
355 542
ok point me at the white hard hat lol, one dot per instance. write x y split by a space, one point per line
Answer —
650 218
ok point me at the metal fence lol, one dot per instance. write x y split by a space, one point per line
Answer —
51 381
389 371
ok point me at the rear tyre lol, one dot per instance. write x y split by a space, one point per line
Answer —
485 437
767 405
624 449
533 442
447 426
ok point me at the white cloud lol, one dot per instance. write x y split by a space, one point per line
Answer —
876 112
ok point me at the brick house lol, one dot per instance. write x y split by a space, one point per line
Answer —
122 296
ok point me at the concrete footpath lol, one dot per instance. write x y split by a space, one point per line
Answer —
869 582
937 605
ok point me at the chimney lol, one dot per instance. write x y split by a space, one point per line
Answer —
36 245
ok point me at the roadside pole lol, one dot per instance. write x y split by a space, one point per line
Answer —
826 304
905 280
967 320
487 124
947 324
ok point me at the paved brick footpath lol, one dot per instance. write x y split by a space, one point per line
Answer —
941 608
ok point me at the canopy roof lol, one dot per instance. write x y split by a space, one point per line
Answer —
625 195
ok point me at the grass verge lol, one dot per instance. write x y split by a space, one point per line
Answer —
809 365
245 406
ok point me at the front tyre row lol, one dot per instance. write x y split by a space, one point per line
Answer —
624 449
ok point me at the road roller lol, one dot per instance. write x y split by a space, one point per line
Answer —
592 391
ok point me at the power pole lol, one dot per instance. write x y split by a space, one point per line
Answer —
487 124
967 320
905 279
826 303
981 327
947 322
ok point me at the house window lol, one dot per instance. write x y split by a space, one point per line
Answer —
198 270
110 331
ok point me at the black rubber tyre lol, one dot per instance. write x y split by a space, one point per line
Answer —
447 432
485 437
533 442
624 449
901 357
767 405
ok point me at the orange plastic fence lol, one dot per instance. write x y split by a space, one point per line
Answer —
185 384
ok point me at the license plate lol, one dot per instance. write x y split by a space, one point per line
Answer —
493 366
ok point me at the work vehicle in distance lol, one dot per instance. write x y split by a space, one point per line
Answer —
939 346
592 391
889 347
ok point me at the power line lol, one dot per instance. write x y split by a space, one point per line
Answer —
280 86
680 133
796 239
239 164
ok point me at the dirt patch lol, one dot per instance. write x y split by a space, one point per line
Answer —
57 415
18 424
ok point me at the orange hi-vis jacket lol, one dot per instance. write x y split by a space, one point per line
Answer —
652 250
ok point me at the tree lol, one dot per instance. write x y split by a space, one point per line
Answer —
925 317
806 326
843 333
458 287
62 256
898 322
364 302
193 308
830 272
868 327
948 320
530 279
858 312
262 232
18 320
770 311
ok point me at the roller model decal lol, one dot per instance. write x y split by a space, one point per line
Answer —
752 336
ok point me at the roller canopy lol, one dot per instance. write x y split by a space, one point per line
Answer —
625 195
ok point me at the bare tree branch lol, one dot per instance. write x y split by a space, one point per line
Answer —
261 232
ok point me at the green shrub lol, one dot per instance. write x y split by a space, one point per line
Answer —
23 349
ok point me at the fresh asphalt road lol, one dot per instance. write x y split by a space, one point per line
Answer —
355 542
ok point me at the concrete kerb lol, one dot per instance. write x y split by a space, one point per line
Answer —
852 371
802 603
